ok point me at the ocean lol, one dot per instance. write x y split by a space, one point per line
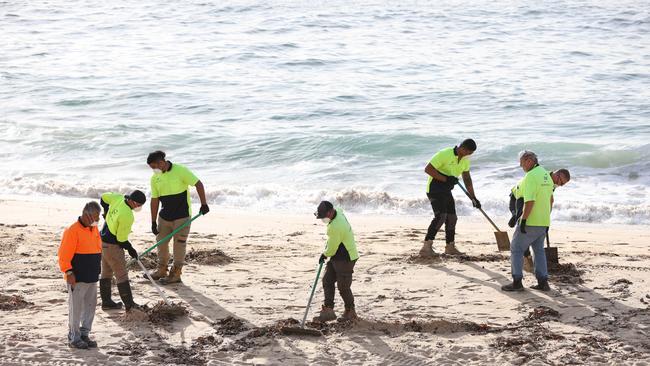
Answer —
277 105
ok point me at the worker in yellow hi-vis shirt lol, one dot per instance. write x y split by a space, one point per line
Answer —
118 216
443 171
169 187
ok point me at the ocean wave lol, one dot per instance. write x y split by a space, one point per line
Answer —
356 200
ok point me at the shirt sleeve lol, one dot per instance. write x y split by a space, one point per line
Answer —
154 188
67 249
124 225
529 189
437 160
110 197
333 240
466 165
189 178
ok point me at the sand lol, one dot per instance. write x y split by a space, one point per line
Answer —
446 311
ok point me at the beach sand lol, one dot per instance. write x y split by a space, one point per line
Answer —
448 311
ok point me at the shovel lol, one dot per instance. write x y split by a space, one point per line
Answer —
552 258
503 241
302 330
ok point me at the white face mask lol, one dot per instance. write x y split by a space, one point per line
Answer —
94 223
138 209
157 171
326 220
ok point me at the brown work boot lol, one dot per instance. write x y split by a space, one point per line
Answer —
427 249
160 273
349 314
173 277
450 249
529 265
326 314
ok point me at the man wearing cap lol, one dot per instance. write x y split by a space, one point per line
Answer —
443 171
341 250
118 214
169 186
80 256
537 191
560 177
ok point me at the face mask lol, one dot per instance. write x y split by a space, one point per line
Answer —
555 186
157 171
326 220
138 209
94 223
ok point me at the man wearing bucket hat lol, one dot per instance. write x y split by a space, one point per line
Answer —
118 214
443 171
342 252
537 191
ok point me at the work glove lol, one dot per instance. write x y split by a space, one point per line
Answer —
322 259
154 228
476 203
129 248
522 226
204 209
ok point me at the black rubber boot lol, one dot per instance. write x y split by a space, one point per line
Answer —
542 285
105 293
127 297
514 286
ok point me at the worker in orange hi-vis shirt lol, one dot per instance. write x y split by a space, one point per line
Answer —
80 256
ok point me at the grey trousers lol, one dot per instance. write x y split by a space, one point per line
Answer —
81 309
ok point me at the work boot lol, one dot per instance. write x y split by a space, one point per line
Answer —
514 286
326 314
89 342
450 249
542 285
173 277
124 289
105 293
79 344
529 266
427 249
160 273
349 314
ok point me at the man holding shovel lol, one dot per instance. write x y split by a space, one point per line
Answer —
443 171
341 249
169 186
537 191
118 211
560 177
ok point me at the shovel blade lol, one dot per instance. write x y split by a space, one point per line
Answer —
551 256
301 331
503 241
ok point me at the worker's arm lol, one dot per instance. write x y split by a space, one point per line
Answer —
66 253
467 178
435 174
155 203
333 241
200 190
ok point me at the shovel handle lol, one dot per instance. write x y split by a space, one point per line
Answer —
480 209
311 296
162 294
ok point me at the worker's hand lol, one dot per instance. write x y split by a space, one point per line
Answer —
476 203
129 248
204 209
452 181
154 228
70 279
522 226
322 259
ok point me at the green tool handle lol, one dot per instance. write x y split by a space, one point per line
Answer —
165 238
480 209
313 288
